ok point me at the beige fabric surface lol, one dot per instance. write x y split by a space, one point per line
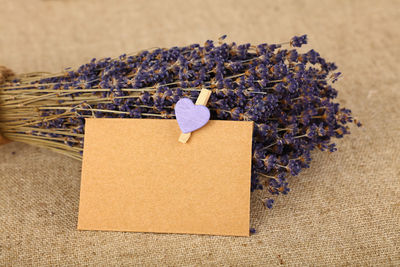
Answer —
344 210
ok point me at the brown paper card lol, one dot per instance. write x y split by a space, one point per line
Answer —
136 176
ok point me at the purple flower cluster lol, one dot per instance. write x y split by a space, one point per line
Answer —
288 95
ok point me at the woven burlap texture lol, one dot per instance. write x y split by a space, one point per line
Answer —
344 210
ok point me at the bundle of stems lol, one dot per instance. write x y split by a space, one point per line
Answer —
288 94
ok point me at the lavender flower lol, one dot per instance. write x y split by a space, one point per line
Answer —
288 95
298 41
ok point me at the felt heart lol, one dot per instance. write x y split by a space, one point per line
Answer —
190 117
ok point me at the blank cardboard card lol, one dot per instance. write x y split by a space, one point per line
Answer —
136 176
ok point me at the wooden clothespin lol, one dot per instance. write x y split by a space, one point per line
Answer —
202 99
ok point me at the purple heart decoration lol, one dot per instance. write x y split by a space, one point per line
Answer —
190 117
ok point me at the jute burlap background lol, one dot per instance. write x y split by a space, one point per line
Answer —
345 210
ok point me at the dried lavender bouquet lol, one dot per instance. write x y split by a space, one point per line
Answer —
288 94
